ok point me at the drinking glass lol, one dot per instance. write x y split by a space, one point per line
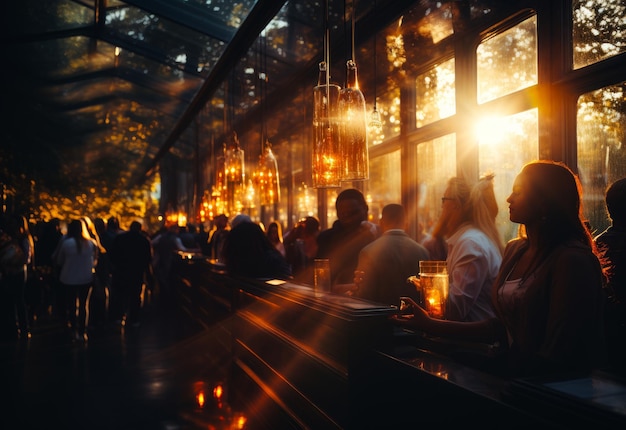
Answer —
434 287
321 276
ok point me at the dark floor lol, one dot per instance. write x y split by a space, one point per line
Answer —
147 377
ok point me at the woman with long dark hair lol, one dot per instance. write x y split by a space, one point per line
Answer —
548 294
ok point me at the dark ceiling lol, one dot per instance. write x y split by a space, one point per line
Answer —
99 92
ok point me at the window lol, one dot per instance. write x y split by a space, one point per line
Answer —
598 30
436 163
601 135
507 62
505 144
435 94
384 183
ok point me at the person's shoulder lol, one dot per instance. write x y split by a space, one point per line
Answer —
515 244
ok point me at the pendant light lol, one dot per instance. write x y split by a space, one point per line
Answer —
267 177
326 163
235 163
266 174
375 124
353 124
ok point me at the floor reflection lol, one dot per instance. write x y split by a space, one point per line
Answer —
170 373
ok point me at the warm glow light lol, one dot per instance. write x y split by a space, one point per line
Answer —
181 219
354 157
218 391
490 131
239 422
200 399
326 169
266 177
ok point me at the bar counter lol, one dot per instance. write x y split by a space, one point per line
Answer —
306 360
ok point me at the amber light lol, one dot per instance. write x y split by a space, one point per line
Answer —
218 392
200 399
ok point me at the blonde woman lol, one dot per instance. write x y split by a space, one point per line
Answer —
474 247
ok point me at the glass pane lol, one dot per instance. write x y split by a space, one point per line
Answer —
505 145
388 105
436 163
435 94
507 62
384 184
601 133
598 30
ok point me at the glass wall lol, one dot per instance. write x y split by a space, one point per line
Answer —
435 94
505 144
513 99
598 30
507 62
601 137
384 183
436 163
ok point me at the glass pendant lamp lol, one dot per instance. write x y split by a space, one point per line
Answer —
220 171
326 157
353 129
234 164
267 177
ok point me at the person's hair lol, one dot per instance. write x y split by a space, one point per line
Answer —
245 250
459 190
135 226
393 214
484 209
559 195
616 201
311 224
113 223
77 230
279 229
351 194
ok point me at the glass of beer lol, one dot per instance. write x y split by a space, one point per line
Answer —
434 285
321 276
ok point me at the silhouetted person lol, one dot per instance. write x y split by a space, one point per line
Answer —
612 244
98 306
386 263
349 234
131 254
113 307
275 235
301 248
165 245
49 237
187 235
16 255
77 256
217 237
248 252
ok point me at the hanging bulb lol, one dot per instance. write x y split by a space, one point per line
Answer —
375 127
353 129
326 166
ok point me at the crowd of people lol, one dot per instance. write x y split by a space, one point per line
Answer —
553 297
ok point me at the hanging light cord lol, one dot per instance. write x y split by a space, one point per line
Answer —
375 64
327 54
353 20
